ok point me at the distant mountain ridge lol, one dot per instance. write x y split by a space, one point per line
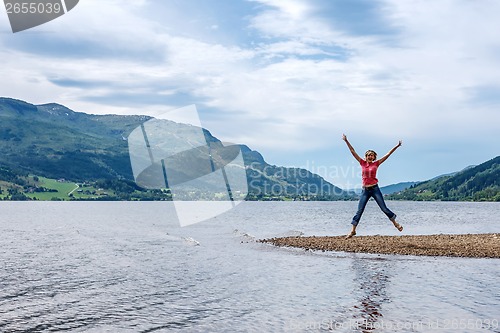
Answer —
476 183
388 189
54 141
453 173
393 188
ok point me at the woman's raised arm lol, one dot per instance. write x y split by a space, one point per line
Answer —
353 152
386 156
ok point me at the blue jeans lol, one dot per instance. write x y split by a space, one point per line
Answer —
379 198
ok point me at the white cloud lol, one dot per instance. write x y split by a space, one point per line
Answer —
291 19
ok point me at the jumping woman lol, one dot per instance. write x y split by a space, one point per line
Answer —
369 167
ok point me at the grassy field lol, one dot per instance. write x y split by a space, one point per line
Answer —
65 190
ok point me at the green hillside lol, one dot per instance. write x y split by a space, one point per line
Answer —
479 183
55 142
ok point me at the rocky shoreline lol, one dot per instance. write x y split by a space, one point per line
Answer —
464 245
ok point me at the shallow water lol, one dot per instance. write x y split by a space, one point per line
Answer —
128 267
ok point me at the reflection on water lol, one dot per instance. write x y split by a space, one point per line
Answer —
372 277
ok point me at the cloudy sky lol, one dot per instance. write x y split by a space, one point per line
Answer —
285 77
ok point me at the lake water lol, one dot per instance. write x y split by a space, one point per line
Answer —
128 267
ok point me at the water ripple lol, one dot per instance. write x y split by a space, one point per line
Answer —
80 271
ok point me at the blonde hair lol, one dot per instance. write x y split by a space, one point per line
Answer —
371 151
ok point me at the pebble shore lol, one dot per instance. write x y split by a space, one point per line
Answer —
465 245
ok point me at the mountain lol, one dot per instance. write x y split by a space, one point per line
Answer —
394 188
452 173
386 190
52 141
477 183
